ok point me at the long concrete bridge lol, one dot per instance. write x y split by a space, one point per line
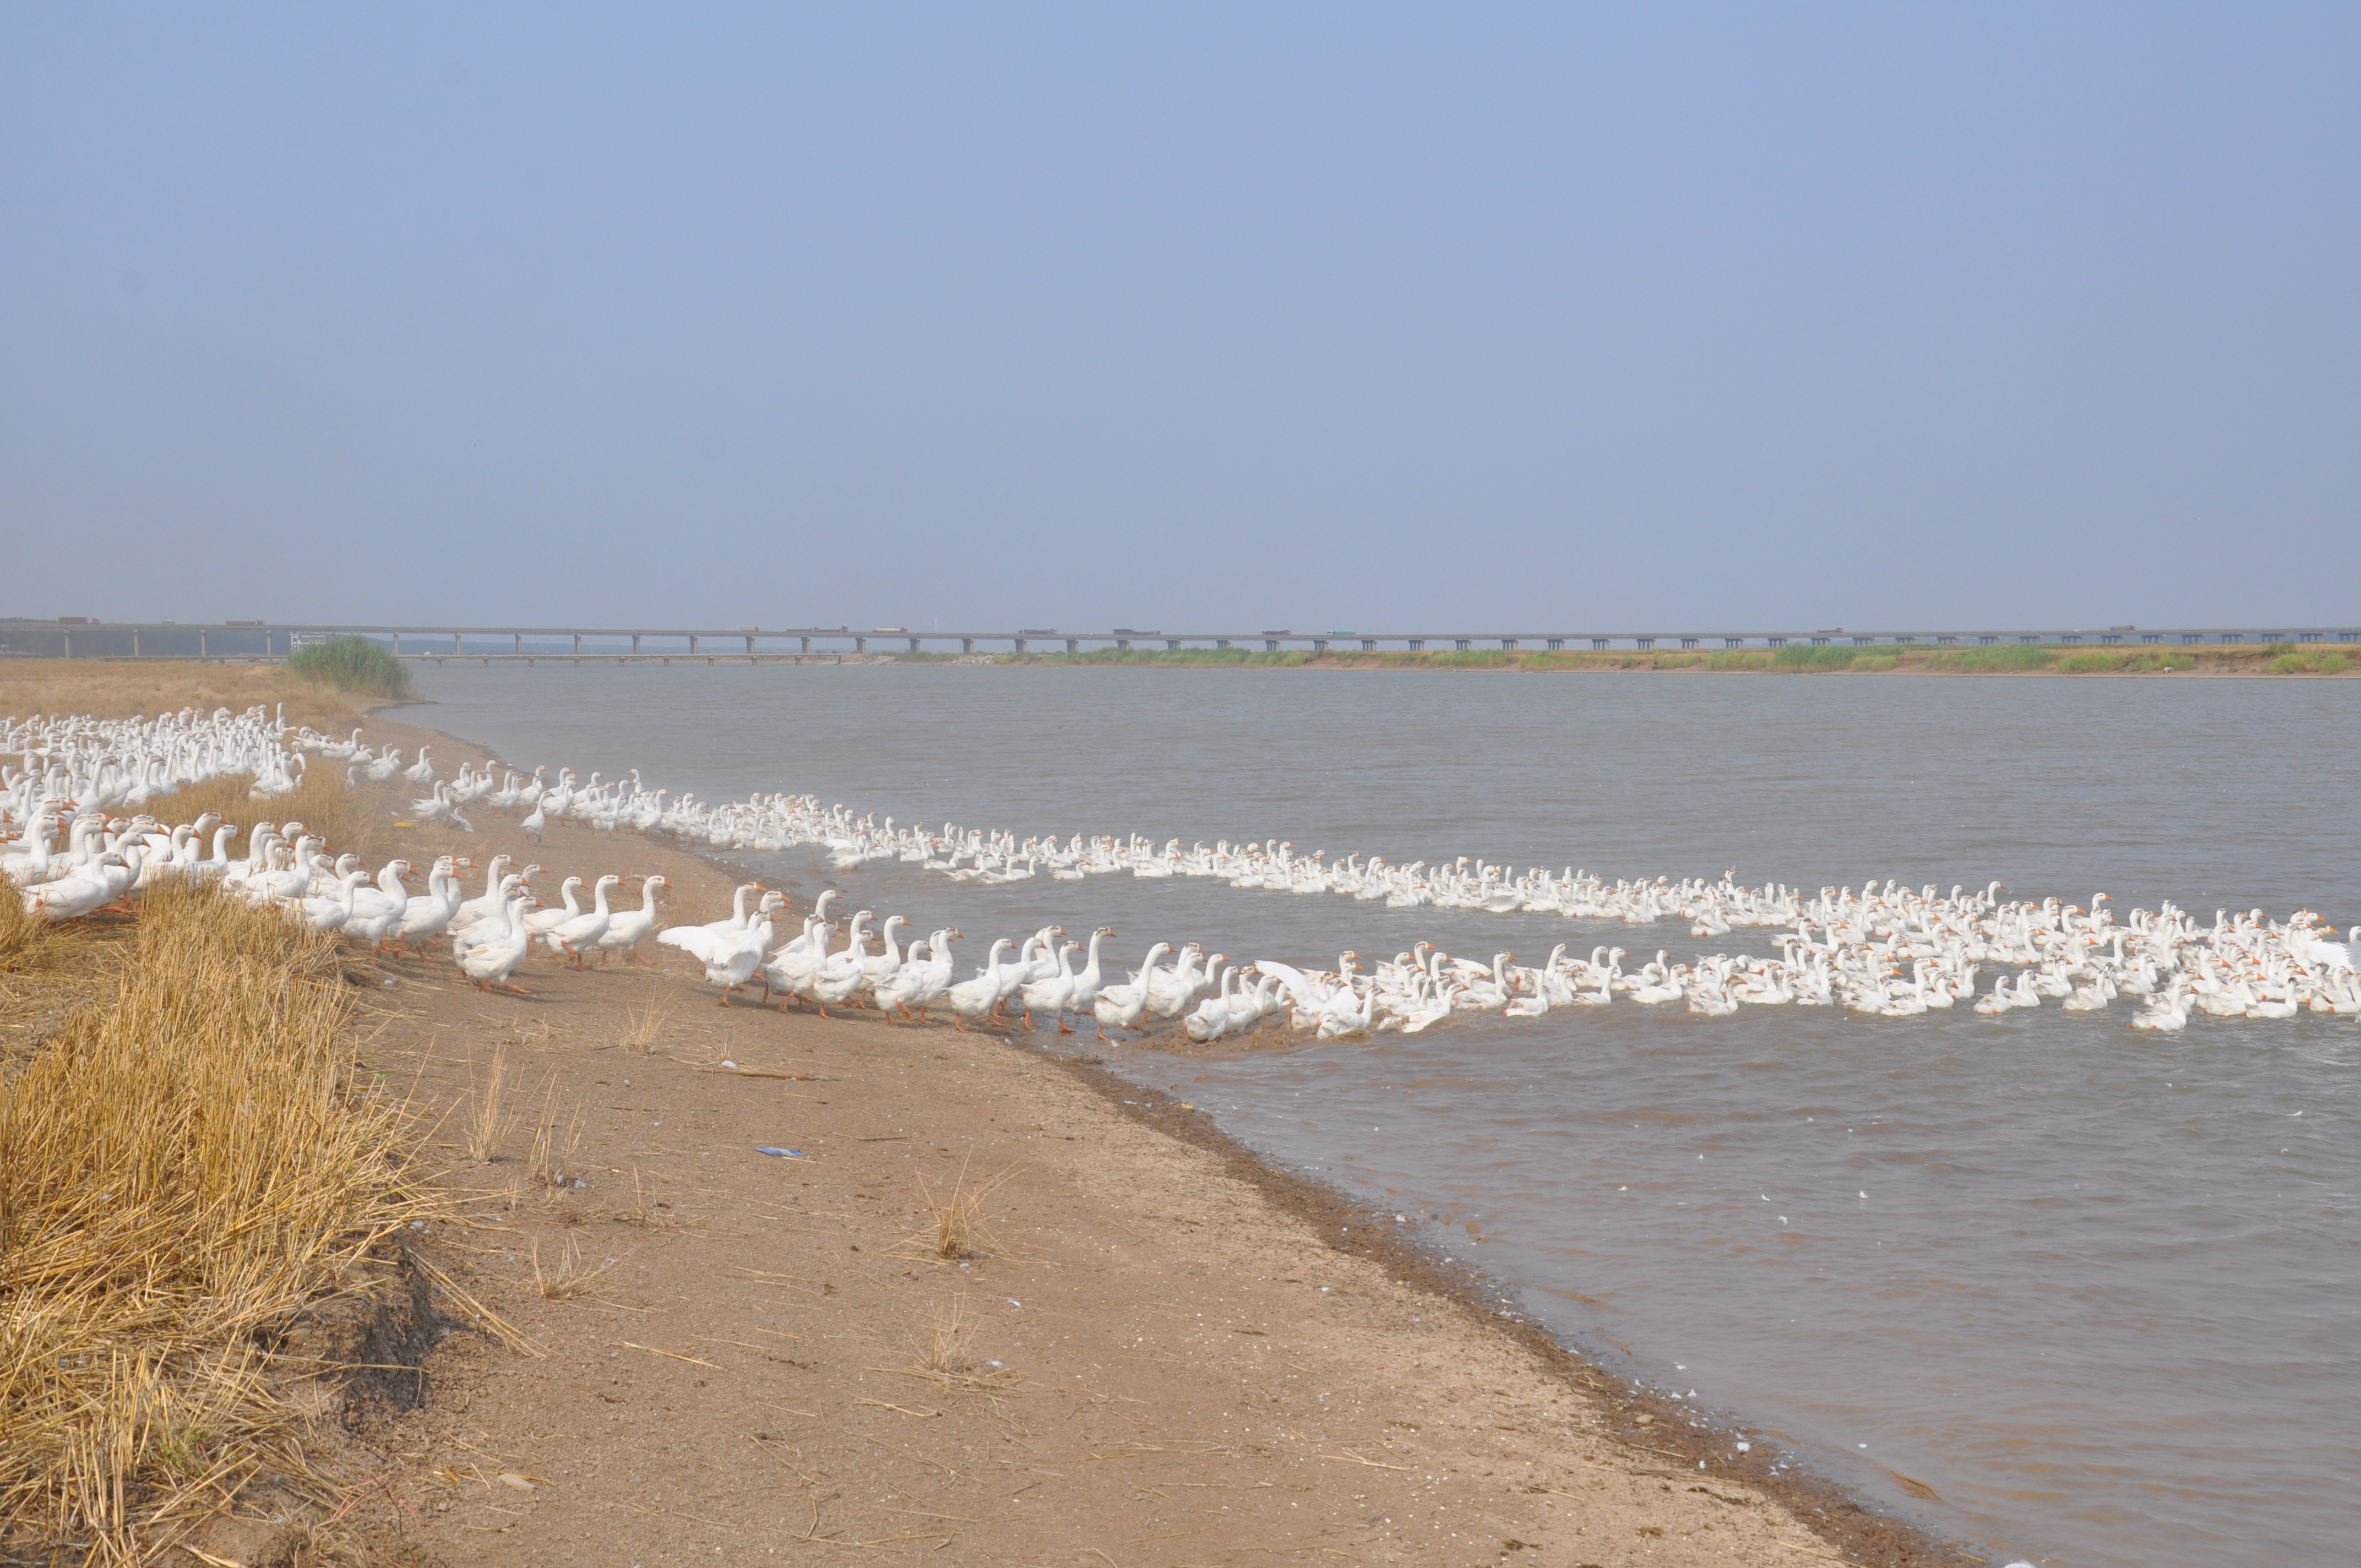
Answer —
75 637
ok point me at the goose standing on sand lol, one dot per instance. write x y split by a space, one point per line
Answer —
571 938
676 935
490 962
1085 995
542 921
327 914
901 989
976 998
627 927
730 962
842 974
492 904
1210 1021
1054 994
931 981
429 917
492 928
1123 1006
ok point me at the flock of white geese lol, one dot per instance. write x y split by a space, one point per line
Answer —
1887 951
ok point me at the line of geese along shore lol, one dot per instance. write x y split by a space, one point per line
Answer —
1887 951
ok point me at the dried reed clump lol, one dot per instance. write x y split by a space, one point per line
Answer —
488 1118
961 1228
643 1023
567 1280
550 1161
950 1333
185 1167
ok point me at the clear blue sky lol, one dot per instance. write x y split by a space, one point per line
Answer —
1223 317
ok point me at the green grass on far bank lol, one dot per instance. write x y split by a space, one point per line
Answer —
353 664
2016 658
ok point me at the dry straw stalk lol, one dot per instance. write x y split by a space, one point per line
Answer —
961 1227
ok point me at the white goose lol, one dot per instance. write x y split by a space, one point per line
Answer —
1054 994
1085 995
571 938
733 966
1123 1006
1210 1021
627 927
976 998
490 962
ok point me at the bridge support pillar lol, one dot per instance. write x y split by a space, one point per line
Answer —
397 645
967 644
1073 644
692 643
913 644
749 647
577 642
1020 644
455 642
518 639
200 644
635 641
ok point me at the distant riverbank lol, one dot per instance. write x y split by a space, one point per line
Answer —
2264 659
2268 659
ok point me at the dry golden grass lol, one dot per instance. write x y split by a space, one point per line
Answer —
568 1280
488 1119
118 690
962 1228
551 1160
951 1333
187 1166
27 942
358 821
643 1022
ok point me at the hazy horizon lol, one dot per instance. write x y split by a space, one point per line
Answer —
1225 318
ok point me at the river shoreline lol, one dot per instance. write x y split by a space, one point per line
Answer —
1641 1429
